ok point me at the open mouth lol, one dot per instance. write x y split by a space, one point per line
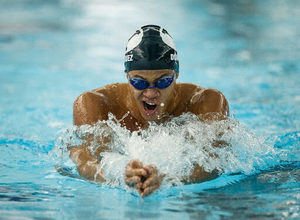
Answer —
149 108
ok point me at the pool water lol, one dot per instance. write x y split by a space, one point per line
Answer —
51 51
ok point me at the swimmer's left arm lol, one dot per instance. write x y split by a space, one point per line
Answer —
199 175
209 105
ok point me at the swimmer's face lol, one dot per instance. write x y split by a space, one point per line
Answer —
152 103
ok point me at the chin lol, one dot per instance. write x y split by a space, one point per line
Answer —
154 118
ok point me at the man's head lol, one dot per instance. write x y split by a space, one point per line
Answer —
152 68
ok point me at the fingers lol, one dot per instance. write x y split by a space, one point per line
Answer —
149 190
129 172
135 168
144 179
151 183
151 170
134 172
135 163
154 180
134 181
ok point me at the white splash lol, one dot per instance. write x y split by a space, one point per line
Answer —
174 148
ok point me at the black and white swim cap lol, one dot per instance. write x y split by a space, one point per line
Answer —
151 48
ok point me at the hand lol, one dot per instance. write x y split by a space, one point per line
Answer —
135 173
144 179
151 182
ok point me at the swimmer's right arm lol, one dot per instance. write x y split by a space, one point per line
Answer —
88 109
86 162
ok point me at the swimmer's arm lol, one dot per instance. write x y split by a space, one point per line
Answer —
86 162
88 109
199 175
210 105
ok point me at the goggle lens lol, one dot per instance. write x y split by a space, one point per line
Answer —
164 82
138 83
161 83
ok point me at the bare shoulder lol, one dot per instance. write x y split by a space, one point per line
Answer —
187 92
205 100
94 105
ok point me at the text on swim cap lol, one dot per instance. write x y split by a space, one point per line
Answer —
129 58
174 57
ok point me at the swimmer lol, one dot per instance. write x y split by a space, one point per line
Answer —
150 95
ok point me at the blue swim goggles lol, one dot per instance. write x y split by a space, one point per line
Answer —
160 83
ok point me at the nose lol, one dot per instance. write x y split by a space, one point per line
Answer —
151 93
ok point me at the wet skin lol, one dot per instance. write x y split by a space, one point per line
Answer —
142 106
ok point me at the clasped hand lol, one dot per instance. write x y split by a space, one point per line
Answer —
145 179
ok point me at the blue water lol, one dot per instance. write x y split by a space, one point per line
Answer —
51 51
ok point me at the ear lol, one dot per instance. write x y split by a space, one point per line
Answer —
177 74
127 76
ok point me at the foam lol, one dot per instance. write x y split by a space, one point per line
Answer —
174 148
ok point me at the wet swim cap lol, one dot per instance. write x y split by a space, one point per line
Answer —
151 48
